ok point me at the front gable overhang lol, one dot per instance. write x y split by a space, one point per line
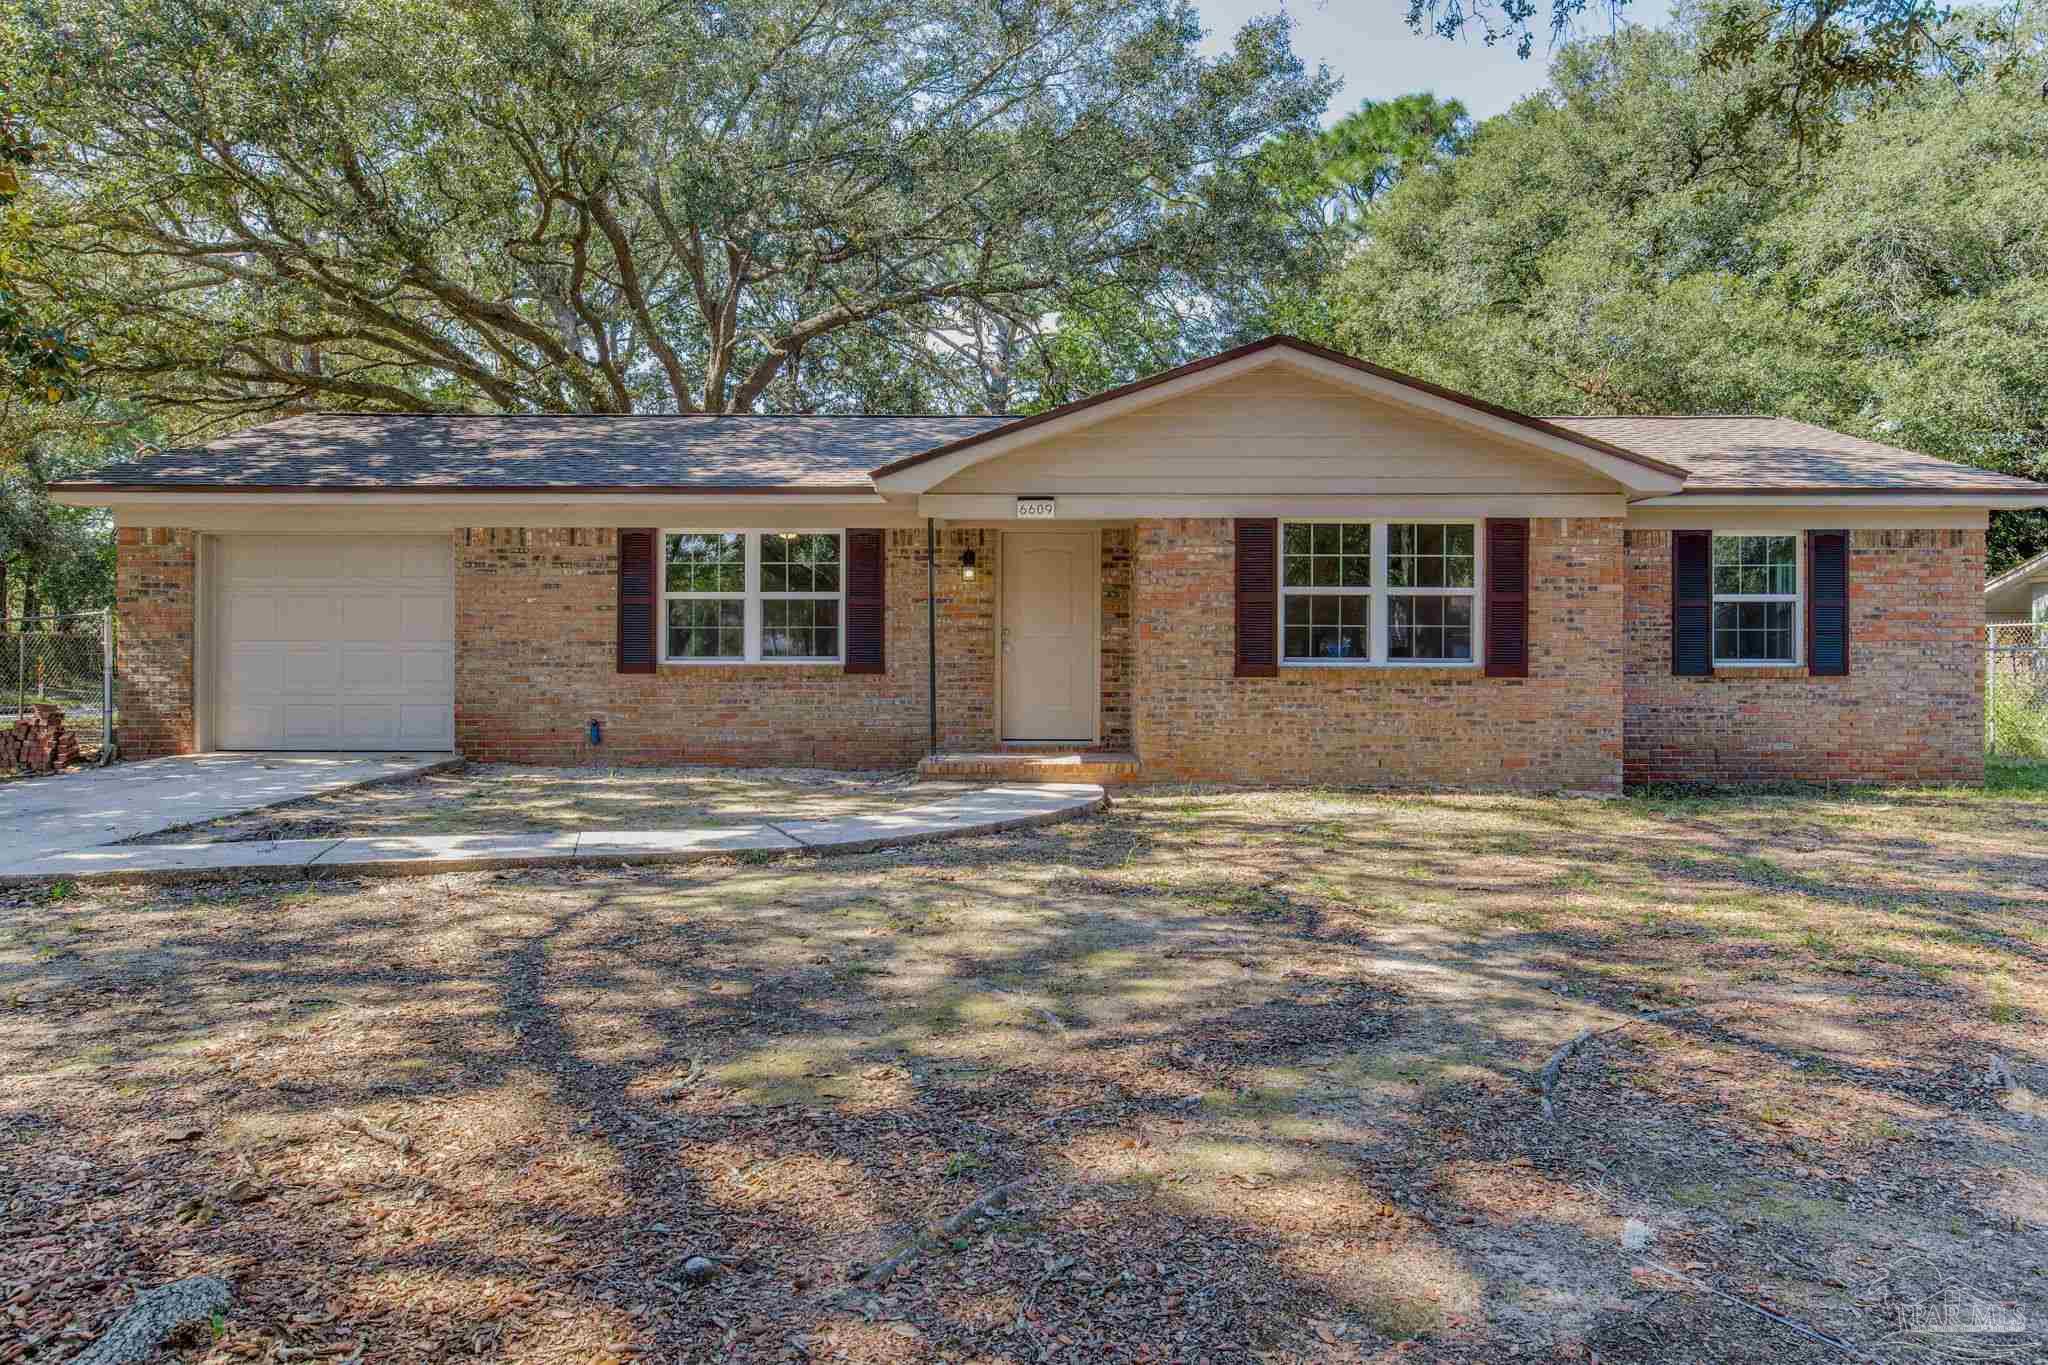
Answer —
1635 475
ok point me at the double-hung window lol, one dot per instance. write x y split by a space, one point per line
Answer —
1756 599
752 596
1362 592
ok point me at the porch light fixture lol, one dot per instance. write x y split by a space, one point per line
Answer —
967 565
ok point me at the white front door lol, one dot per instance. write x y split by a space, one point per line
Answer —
1049 589
332 642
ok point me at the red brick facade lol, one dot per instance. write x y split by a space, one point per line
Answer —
1119 658
1558 728
536 626
535 631
154 576
1910 710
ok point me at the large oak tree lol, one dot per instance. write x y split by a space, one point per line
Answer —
632 205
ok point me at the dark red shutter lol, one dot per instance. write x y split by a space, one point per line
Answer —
1827 603
1258 594
1692 603
866 617
636 600
1507 597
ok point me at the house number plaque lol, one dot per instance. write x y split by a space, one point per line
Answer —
1036 509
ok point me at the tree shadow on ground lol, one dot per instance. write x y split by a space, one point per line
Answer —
1261 1072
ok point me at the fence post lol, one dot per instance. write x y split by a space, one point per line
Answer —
21 669
1991 690
106 683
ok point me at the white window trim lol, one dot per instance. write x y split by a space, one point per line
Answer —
752 596
1797 599
1379 592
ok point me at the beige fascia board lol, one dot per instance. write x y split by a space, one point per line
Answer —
232 516
1984 501
1001 507
1804 516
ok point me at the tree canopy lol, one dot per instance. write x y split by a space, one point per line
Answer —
1616 244
629 205
1826 57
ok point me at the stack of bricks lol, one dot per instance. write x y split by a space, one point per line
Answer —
38 742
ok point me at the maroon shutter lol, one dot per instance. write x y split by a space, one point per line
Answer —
1827 603
1692 603
1258 593
866 617
636 600
1507 597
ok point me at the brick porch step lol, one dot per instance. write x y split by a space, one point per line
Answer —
1035 765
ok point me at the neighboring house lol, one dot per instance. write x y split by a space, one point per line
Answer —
1278 564
2020 594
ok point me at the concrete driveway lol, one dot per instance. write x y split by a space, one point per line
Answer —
91 806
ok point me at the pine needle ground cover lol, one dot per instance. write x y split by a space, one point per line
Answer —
1220 1075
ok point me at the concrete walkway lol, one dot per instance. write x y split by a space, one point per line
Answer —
977 812
40 816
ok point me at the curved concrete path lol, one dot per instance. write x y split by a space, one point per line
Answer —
976 812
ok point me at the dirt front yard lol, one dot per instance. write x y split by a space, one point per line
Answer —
1256 1072
510 798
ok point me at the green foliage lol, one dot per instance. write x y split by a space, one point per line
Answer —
59 559
1619 244
39 361
1830 56
2016 720
1341 171
632 205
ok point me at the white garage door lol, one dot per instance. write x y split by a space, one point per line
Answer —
328 642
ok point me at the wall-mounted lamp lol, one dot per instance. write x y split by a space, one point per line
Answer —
967 565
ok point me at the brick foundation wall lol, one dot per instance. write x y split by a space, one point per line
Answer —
1910 710
1426 727
155 573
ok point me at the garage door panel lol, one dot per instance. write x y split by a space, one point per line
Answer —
335 643
426 669
312 670
305 721
425 726
430 561
368 615
370 722
250 727
423 617
307 614
256 669
370 668
251 616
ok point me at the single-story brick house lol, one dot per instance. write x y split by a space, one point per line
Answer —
1277 564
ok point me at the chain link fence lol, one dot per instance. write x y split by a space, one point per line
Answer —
2016 690
65 661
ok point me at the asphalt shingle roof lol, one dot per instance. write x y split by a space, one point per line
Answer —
1764 454
411 452
341 450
